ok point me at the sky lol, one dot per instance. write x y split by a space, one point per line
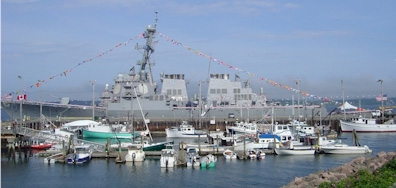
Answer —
319 43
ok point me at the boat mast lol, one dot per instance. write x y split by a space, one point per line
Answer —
382 100
343 98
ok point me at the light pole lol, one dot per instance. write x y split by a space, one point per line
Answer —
343 98
382 99
298 97
20 101
93 99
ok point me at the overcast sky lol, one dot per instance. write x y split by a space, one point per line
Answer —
319 43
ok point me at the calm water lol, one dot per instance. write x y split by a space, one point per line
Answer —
273 171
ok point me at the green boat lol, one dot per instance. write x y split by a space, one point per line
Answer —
105 135
155 146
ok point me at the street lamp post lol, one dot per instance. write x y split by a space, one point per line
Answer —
20 101
298 97
93 99
382 100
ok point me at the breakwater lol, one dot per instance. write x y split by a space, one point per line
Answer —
336 174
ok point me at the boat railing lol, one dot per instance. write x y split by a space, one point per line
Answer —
44 135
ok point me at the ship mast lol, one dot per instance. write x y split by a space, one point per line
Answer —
148 50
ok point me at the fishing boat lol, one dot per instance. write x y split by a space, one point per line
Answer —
340 148
243 128
192 157
361 124
81 154
208 161
104 131
229 154
74 127
168 157
135 154
184 130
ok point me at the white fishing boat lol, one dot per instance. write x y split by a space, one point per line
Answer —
82 154
340 148
229 154
135 154
168 157
192 156
243 128
184 130
361 124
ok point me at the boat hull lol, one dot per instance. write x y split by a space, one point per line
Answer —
180 134
360 127
41 146
135 156
279 151
345 149
105 135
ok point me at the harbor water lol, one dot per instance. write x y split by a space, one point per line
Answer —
273 171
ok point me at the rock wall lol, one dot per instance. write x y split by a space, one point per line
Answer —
338 173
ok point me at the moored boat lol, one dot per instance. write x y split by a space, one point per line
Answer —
340 148
82 154
208 161
361 124
294 151
184 130
168 157
192 156
42 146
135 154
108 131
229 154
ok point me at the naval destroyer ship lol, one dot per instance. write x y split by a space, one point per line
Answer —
136 94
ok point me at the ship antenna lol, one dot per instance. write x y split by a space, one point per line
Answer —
156 19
